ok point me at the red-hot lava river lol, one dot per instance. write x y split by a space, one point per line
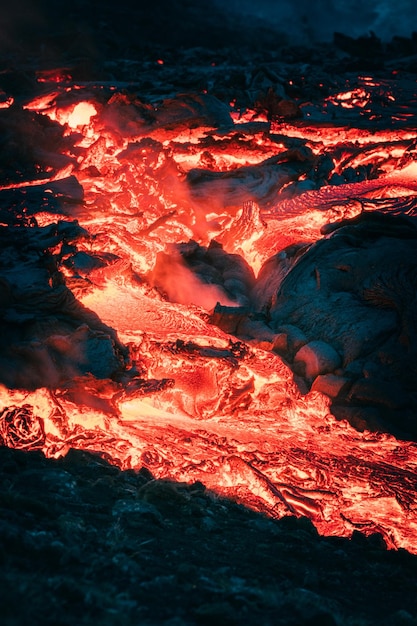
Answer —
197 290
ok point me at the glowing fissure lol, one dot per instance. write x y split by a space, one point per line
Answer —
169 222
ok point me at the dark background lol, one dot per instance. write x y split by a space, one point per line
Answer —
317 20
50 28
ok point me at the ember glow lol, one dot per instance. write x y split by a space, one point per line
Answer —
146 325
81 114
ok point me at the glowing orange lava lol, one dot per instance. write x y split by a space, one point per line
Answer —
81 114
212 408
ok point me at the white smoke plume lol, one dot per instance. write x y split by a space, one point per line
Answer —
172 276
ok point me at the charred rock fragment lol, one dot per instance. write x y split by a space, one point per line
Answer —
259 184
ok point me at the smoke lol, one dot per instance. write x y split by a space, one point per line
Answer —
172 276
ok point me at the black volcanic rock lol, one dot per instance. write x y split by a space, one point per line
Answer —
47 337
82 542
356 291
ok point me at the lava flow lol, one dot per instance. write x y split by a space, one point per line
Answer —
218 294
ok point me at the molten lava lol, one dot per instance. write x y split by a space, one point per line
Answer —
143 220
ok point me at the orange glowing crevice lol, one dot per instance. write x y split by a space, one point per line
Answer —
81 114
350 99
6 101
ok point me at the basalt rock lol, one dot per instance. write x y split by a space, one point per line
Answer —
317 357
355 290
48 336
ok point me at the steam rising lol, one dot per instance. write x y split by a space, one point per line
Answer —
180 284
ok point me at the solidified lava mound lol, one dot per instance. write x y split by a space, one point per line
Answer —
208 330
